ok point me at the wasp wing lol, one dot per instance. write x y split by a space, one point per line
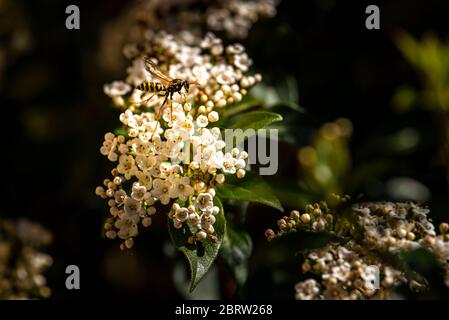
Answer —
152 68
194 83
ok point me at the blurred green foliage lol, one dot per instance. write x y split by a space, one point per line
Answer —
430 58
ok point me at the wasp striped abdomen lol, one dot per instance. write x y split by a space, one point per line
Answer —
150 86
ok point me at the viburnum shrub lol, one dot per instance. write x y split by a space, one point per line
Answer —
369 240
171 156
180 158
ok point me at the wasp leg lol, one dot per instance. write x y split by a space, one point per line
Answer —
159 114
146 100
171 108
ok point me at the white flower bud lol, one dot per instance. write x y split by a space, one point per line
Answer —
111 234
201 109
121 139
270 234
118 101
210 229
410 236
109 136
201 235
244 82
212 170
112 157
146 222
187 107
294 215
220 144
148 198
211 191
252 80
221 103
212 219
151 211
99 191
213 116
240 164
114 211
123 148
237 96
177 224
200 186
402 233
133 132
129 243
444 227
117 180
305 218
243 155
391 241
220 178
218 95
226 89
110 193
209 104
241 173
202 121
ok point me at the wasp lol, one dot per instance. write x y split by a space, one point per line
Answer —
166 88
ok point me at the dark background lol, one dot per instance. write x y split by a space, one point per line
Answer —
55 115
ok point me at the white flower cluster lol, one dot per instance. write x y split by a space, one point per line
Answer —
179 156
394 226
199 216
219 71
232 18
371 229
22 260
236 17
347 273
161 171
307 290
399 227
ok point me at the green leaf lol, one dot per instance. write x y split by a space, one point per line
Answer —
245 104
291 194
235 251
252 188
255 120
200 255
288 91
121 132
284 94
